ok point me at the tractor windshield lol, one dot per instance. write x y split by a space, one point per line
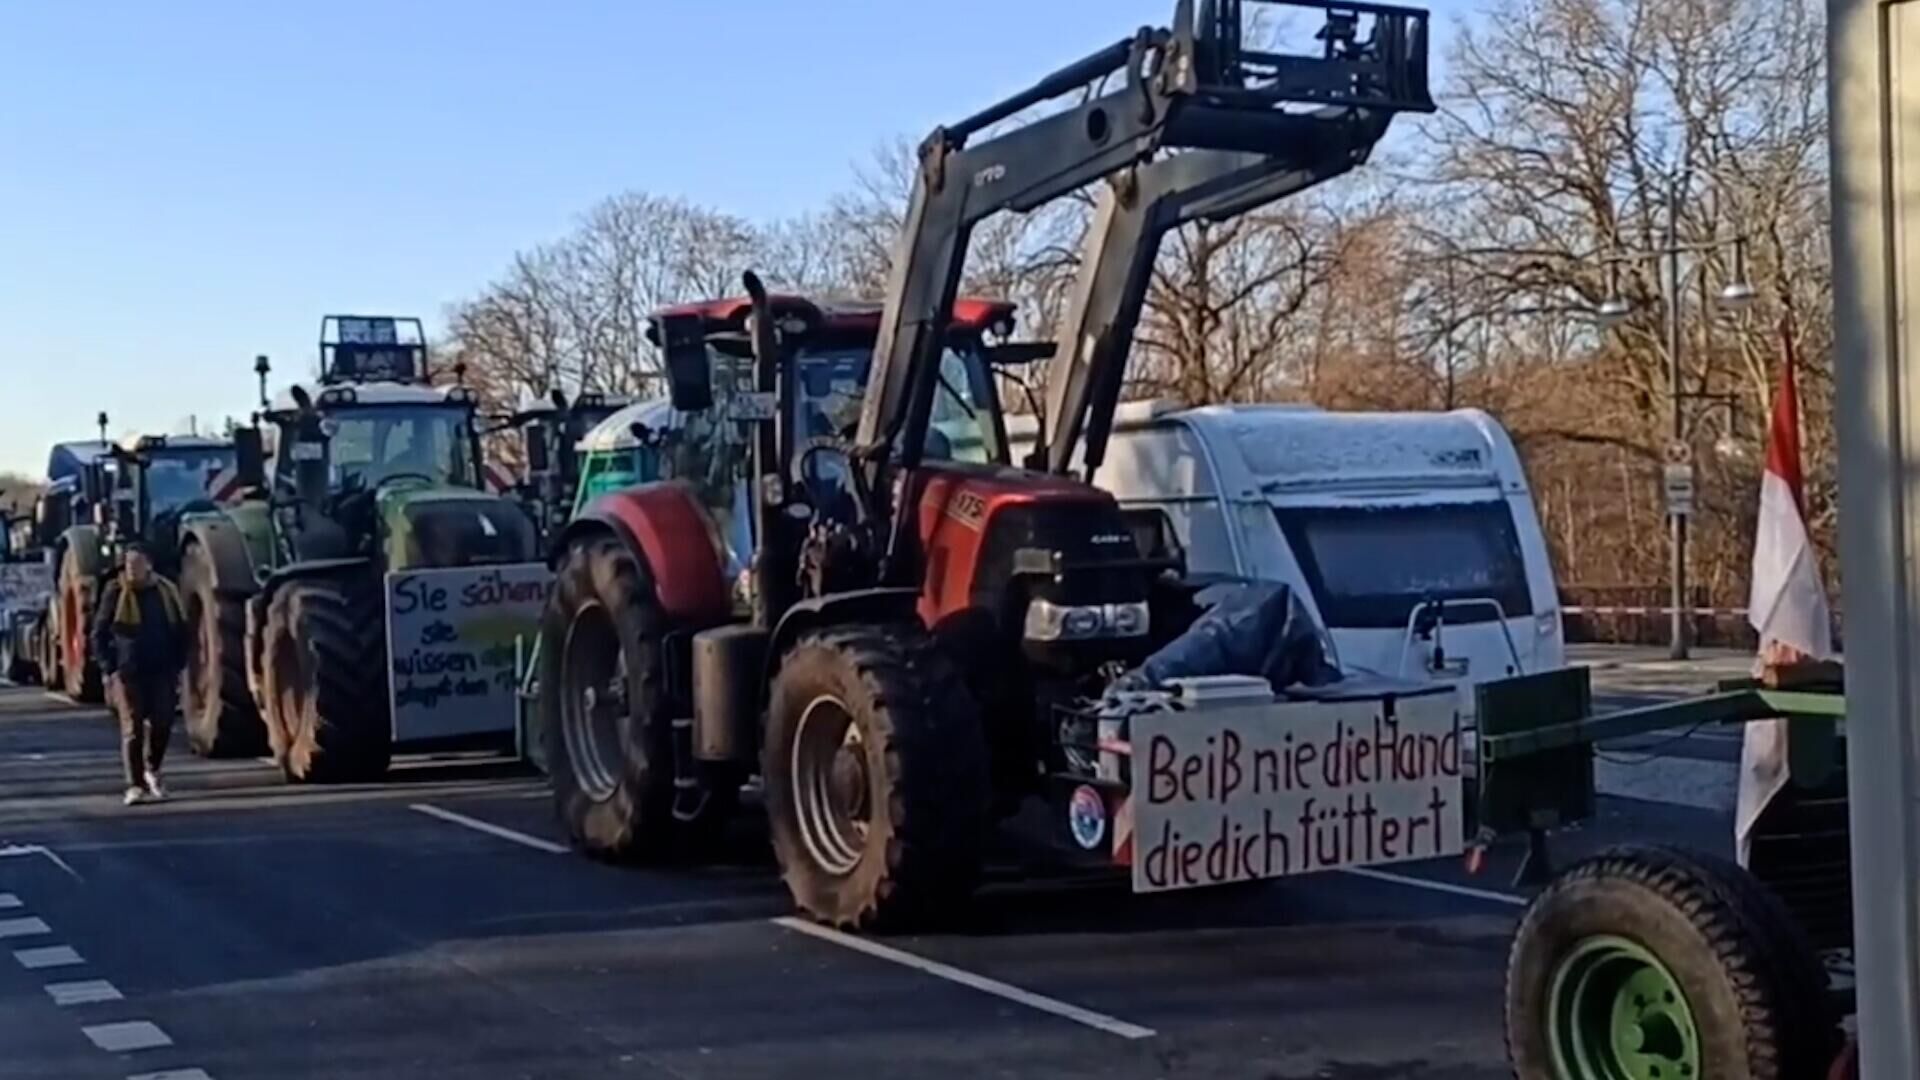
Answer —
370 444
832 381
176 478
714 455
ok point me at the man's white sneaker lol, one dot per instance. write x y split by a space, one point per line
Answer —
135 795
154 787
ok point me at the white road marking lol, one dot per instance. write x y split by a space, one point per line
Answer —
83 993
48 957
173 1074
8 900
491 829
26 927
1439 886
128 1035
1075 1013
14 851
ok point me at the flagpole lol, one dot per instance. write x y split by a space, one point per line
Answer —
1873 59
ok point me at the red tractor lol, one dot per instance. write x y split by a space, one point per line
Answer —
851 591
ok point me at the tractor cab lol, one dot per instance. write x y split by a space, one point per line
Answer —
388 459
174 472
827 350
825 357
622 450
155 482
550 433
719 406
375 417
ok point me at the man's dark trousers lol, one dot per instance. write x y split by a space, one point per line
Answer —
146 721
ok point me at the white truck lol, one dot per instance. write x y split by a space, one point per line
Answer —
1411 536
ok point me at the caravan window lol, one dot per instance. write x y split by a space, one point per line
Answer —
1369 566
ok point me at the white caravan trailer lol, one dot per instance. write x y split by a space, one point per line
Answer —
1412 536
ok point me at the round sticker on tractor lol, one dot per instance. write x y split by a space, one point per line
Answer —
1087 816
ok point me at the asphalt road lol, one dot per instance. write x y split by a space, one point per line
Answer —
434 925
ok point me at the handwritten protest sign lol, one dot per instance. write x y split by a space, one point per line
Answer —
1238 792
450 636
25 585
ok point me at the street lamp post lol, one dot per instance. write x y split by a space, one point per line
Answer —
1737 295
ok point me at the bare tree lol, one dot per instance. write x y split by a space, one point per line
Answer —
1575 130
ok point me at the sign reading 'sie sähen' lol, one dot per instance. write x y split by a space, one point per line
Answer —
451 633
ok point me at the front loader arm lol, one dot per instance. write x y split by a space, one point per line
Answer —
1133 216
1192 87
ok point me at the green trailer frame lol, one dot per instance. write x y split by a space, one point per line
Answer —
1536 754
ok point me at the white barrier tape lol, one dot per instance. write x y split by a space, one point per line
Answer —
1576 610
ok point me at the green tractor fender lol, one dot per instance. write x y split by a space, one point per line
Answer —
229 547
78 549
230 553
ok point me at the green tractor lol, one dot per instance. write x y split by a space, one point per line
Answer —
372 513
550 438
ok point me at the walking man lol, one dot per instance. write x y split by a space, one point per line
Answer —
139 635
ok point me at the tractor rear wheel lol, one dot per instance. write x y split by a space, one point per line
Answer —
221 719
606 721
876 776
325 674
78 567
1658 962
48 649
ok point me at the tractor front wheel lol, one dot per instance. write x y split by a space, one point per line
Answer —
606 721
221 719
325 667
876 778
1654 963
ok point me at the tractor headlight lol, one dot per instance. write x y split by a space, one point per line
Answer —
1048 621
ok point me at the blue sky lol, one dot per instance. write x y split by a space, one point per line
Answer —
184 185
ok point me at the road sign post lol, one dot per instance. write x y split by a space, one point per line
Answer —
1676 482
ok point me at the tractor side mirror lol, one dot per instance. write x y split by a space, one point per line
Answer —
250 457
683 340
126 517
538 459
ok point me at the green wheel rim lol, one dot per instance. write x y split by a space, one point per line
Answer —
1614 1012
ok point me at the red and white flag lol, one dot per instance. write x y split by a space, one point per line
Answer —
1787 604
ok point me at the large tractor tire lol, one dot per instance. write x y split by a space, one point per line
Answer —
325 663
605 719
221 719
47 647
877 784
79 571
1654 961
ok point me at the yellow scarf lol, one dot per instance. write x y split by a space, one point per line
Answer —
126 615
